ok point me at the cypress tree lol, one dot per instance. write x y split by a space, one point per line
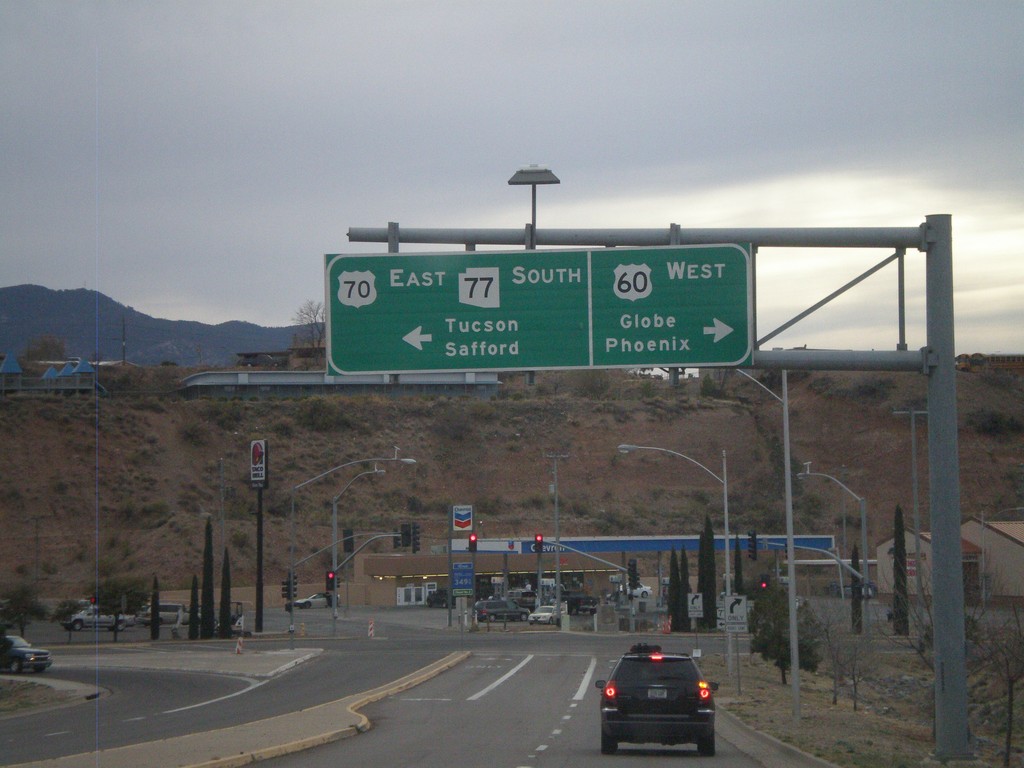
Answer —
706 578
900 613
154 611
207 622
224 628
684 590
673 592
193 610
856 604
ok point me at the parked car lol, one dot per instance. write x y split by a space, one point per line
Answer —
169 614
657 697
319 600
642 591
524 598
91 618
21 656
577 604
543 615
438 598
499 610
868 589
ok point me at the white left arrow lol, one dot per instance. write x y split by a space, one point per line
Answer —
416 337
719 329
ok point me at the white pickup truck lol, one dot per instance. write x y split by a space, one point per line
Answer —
91 618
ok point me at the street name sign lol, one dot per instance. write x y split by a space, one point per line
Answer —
676 306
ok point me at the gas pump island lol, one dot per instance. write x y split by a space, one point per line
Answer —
675 306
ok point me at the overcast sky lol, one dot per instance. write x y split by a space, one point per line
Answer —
196 160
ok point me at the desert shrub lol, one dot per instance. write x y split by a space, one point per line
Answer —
321 414
194 433
994 424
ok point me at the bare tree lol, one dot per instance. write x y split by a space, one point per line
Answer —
311 317
849 653
1002 647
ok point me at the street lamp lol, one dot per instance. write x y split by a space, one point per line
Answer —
724 480
291 551
863 515
533 175
334 544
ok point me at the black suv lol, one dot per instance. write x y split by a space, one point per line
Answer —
657 697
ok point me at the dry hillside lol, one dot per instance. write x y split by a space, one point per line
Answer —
120 485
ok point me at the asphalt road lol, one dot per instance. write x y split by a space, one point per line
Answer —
152 696
501 709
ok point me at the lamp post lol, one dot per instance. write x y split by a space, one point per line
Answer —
863 513
334 543
794 640
724 480
291 550
919 588
558 539
533 175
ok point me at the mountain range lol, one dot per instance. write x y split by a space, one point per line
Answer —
98 328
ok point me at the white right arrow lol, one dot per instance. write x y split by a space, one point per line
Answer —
719 329
416 337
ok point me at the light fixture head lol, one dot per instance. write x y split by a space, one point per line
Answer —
534 174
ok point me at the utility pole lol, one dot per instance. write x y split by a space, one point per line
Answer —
558 537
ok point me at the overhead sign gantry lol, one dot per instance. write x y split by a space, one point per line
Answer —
619 308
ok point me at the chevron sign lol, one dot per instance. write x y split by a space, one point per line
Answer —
462 517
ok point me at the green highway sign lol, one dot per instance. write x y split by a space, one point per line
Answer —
676 306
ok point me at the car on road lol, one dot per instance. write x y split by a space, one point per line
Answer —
499 610
319 600
438 598
659 697
21 656
543 615
642 591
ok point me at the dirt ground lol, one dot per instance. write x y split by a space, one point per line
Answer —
891 727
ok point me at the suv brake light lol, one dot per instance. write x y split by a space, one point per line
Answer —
609 690
704 690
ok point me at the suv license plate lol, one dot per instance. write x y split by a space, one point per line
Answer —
657 693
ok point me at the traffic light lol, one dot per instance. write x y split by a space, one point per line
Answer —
766 581
633 574
415 537
406 535
92 599
472 542
752 545
538 543
331 581
348 540
288 587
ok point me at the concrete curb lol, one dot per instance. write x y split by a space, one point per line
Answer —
272 737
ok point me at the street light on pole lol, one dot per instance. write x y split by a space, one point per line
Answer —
291 550
863 514
724 480
533 175
334 543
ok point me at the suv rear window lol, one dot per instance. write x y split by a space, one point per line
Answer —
641 671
